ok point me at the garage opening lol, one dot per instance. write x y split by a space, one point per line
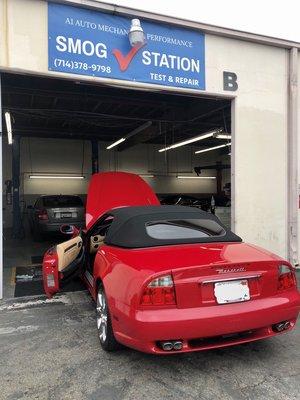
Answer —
64 131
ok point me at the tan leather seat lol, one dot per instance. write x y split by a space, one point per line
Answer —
95 242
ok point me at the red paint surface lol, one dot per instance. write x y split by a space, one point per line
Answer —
196 319
197 315
50 267
109 190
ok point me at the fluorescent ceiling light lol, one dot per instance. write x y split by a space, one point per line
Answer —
195 177
222 136
56 177
213 148
188 141
8 127
134 132
115 143
146 176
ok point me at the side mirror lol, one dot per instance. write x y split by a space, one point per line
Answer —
68 229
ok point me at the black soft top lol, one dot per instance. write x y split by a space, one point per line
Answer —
128 228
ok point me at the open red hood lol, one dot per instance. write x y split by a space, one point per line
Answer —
109 190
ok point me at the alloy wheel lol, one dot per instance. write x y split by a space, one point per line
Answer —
101 311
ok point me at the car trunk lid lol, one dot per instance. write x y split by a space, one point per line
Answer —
230 265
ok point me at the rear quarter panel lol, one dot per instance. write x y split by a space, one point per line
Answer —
124 272
121 275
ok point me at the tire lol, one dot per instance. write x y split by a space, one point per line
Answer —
103 320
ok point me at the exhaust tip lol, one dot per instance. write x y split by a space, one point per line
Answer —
287 325
167 346
177 345
281 326
171 345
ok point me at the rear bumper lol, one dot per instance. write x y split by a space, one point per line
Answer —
55 227
191 325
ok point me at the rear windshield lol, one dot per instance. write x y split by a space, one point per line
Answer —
184 229
62 201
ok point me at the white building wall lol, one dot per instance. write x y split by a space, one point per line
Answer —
260 159
66 156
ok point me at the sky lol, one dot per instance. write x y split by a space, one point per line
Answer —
275 18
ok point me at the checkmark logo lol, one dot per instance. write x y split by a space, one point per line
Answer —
125 60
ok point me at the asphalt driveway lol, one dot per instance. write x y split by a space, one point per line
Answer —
50 350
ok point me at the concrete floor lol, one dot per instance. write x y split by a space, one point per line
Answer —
18 253
50 350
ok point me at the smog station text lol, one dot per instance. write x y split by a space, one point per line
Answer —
88 48
98 44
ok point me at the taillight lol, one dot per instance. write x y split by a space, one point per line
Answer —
50 272
159 292
42 215
286 277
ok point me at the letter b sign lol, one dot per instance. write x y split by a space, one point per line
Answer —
230 81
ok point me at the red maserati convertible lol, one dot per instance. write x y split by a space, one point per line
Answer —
170 279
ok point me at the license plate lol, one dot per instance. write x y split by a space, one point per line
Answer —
65 215
232 291
50 280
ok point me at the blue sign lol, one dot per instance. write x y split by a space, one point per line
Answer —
93 43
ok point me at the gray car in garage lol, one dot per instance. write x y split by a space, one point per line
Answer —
49 213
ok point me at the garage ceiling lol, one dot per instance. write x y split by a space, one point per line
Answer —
44 107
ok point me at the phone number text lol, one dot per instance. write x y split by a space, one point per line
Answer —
58 62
